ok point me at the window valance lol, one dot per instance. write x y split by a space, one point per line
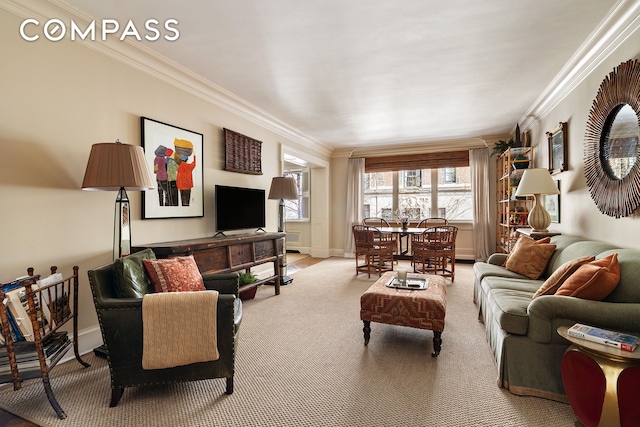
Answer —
451 159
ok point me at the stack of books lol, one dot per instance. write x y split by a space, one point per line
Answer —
602 336
27 356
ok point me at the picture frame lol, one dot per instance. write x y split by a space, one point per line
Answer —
558 143
552 205
174 156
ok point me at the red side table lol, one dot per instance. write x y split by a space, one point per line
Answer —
602 383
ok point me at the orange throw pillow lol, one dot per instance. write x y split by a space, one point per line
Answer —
594 280
551 285
177 274
529 258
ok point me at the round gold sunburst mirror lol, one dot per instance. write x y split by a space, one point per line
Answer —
612 142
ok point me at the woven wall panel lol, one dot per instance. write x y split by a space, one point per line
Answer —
451 159
242 153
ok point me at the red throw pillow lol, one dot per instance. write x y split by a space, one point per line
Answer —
594 280
177 274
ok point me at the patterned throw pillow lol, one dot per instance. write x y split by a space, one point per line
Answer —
523 241
594 280
551 285
177 274
529 257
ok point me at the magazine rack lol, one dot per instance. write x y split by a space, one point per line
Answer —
49 308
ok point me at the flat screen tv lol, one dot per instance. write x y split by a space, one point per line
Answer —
239 208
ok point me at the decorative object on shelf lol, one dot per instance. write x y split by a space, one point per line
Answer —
283 188
241 153
558 143
611 161
521 162
501 146
118 167
537 182
175 156
552 204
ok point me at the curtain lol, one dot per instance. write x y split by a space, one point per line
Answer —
355 195
479 167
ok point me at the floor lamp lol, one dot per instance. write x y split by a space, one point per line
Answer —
118 167
283 188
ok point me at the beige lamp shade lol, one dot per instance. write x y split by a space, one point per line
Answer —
536 182
283 188
113 166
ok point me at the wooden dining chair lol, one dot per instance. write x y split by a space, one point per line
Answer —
376 222
381 222
432 222
374 250
434 251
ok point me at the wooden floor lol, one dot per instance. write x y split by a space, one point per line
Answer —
295 262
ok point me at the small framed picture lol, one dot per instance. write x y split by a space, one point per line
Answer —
175 157
558 142
552 205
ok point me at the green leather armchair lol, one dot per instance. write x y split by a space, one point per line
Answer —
121 325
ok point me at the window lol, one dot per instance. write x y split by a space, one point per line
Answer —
298 209
417 194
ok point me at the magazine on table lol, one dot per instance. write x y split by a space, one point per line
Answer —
603 336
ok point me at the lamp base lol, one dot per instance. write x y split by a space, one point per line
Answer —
285 280
539 219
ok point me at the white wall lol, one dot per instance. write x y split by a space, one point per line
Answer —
60 98
579 215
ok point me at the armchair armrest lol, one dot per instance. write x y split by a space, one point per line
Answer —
224 283
548 312
497 259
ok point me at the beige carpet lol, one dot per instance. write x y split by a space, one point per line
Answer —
301 362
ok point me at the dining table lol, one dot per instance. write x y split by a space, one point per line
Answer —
402 233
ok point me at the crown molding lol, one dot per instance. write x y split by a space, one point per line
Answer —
139 57
622 21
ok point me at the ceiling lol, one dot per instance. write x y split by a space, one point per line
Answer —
362 73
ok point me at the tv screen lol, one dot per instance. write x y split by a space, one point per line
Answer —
239 208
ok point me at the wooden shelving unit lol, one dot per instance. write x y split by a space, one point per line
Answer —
512 211
50 307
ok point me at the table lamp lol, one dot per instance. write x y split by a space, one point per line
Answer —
118 167
283 188
537 182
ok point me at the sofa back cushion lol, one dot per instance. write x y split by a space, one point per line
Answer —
628 289
575 250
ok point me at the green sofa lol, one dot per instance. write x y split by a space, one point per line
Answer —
120 319
522 332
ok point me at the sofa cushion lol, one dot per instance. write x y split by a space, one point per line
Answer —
551 285
628 290
529 258
509 308
179 274
576 250
594 280
524 241
132 280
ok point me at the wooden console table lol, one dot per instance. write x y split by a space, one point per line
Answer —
229 253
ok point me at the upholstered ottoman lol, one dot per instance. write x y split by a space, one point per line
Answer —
422 309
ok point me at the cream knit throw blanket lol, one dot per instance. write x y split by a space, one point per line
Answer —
179 328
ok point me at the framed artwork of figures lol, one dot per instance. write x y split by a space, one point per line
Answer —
174 155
